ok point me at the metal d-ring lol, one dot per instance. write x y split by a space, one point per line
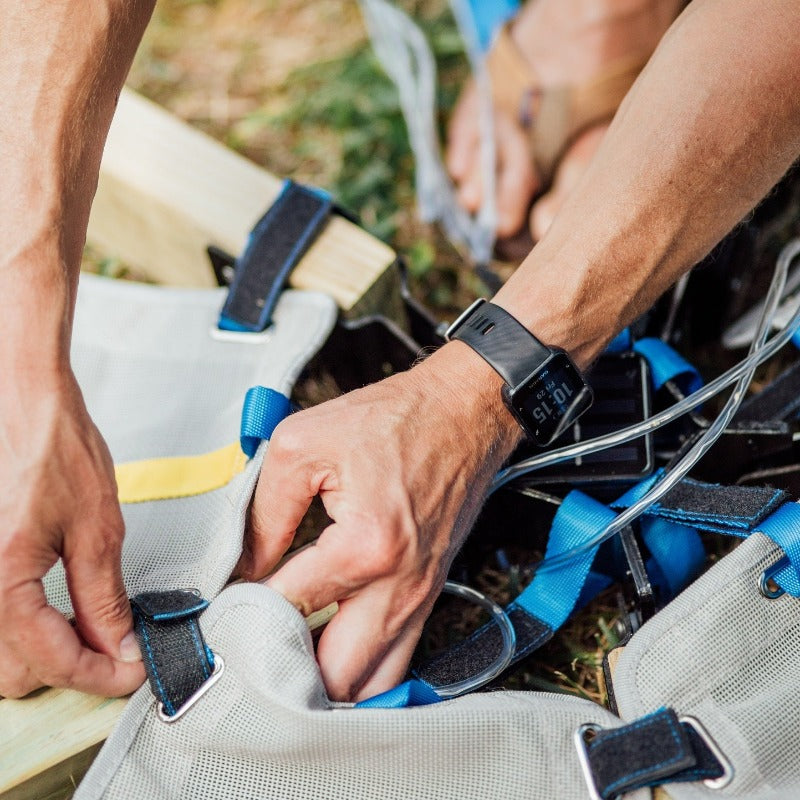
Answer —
219 667
767 584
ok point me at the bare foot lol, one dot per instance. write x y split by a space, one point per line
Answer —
565 43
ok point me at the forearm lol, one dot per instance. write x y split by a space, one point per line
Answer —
64 62
709 127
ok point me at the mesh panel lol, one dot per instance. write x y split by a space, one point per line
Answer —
157 384
266 730
729 656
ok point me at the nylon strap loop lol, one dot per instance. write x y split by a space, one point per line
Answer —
176 658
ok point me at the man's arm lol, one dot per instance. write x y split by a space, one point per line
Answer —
64 63
402 466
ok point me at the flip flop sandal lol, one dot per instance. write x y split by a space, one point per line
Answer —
554 116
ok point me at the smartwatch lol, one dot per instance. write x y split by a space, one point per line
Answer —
543 389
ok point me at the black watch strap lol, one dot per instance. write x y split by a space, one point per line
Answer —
500 340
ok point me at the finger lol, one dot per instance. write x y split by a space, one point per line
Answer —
365 649
16 680
92 563
393 666
517 181
470 190
41 637
463 134
542 215
282 497
324 573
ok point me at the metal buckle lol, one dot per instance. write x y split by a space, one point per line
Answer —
219 667
579 738
727 767
462 317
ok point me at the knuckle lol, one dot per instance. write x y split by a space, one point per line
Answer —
286 440
385 551
61 676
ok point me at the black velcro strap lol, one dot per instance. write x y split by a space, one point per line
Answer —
778 400
276 245
734 510
176 658
654 750
476 653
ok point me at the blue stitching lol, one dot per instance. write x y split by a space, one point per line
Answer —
195 636
184 612
151 658
658 765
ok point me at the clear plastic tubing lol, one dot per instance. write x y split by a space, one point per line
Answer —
754 358
742 373
503 659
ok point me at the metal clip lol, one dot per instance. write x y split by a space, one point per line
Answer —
219 667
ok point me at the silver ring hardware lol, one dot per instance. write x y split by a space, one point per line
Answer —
767 584
579 738
727 767
219 668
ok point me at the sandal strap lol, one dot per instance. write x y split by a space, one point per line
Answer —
553 116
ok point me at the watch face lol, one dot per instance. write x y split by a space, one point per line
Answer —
551 399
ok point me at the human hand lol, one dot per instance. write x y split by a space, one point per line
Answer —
58 500
402 467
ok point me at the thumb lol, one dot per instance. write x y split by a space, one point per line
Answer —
94 577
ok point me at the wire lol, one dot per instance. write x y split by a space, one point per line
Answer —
742 373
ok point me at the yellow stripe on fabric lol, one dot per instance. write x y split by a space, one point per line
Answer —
179 476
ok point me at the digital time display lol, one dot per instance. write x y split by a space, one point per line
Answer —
551 399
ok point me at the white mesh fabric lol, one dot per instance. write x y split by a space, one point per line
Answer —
724 653
266 730
158 384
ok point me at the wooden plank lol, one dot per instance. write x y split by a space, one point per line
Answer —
167 191
48 739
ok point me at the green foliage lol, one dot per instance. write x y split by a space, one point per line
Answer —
353 98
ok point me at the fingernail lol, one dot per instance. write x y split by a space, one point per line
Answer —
129 649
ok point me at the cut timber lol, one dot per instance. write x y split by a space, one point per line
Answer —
49 739
167 191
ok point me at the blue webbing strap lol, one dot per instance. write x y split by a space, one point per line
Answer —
406 695
668 365
677 554
735 511
262 411
542 607
489 15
